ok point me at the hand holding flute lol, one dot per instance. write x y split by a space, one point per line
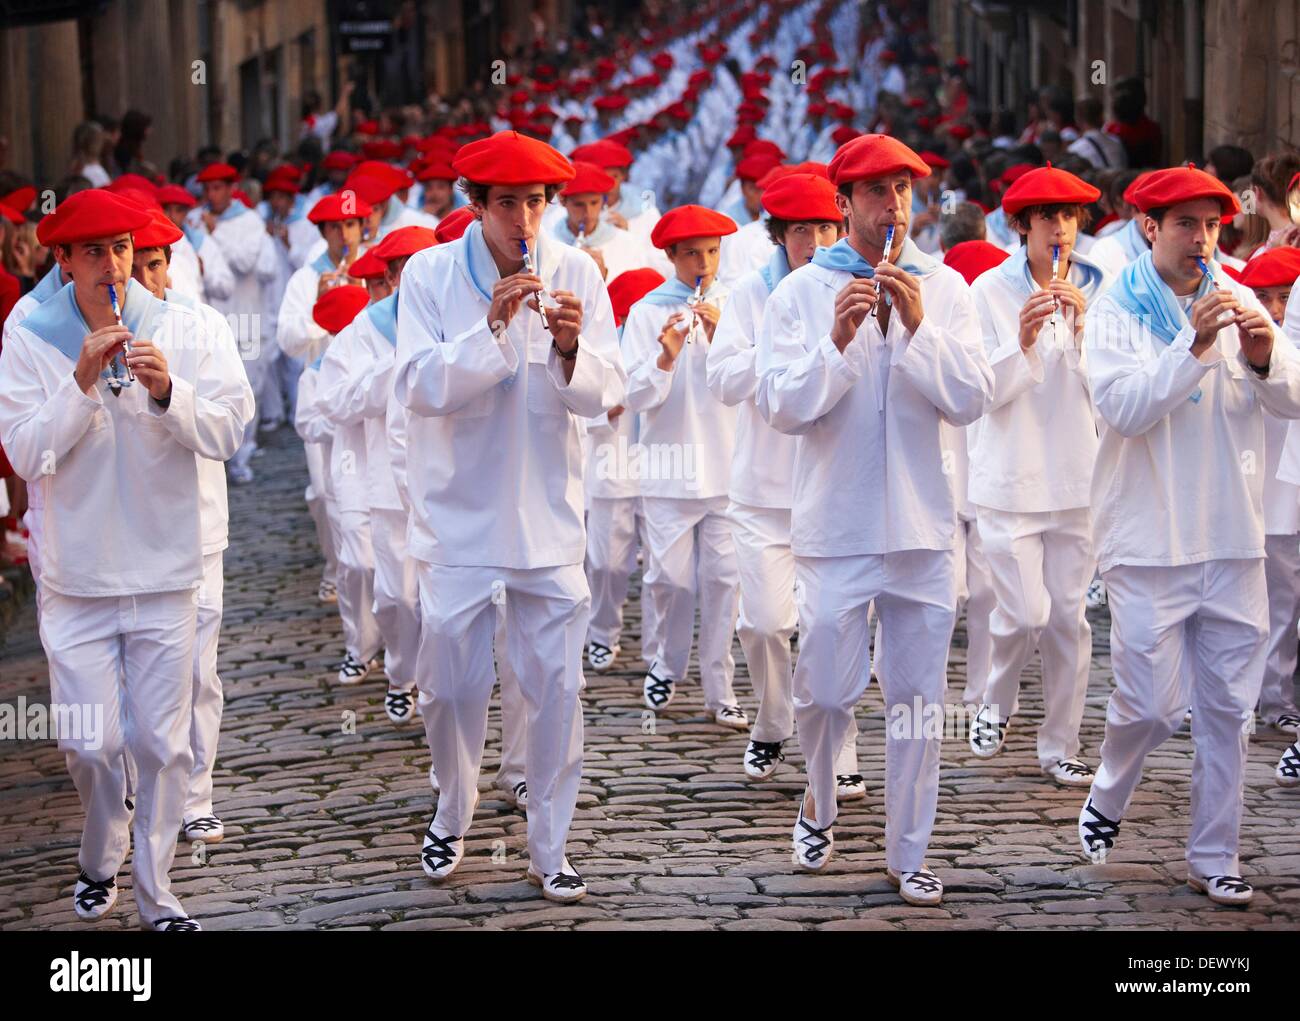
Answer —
885 254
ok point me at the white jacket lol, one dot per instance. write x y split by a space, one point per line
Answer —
494 461
869 472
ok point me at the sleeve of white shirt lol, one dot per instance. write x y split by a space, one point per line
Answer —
296 330
209 415
240 242
338 385
395 436
797 385
647 384
1014 370
944 359
37 430
218 279
730 366
1131 393
437 375
268 266
1279 391
599 381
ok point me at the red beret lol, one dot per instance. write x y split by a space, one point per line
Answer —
663 61
339 306
741 136
436 169
217 172
345 204
615 102
511 158
175 195
1164 188
677 111
1045 186
802 197
971 258
690 222
1134 185
844 134
1276 267
626 289
751 168
404 241
604 154
91 214
382 149
127 182
588 178
21 198
157 232
759 146
934 160
278 181
816 109
147 199
869 156
368 128
454 224
961 132
369 266
340 160
11 214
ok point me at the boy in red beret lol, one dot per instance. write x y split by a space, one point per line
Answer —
687 435
863 355
504 339
802 216
1183 362
584 226
108 435
1031 466
152 257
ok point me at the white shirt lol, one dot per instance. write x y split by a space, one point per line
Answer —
1173 482
1102 149
113 481
762 470
745 251
688 434
347 463
241 237
494 461
1034 449
869 469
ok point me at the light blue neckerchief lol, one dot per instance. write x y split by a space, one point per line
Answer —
843 256
478 260
322 263
1133 240
194 235
1141 292
1083 273
996 224
49 286
671 292
234 210
776 270
602 235
629 203
60 324
383 314
738 212
184 300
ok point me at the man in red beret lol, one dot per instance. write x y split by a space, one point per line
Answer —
863 355
614 514
246 248
802 216
666 342
1030 470
1183 362
373 522
628 206
1272 274
152 257
107 435
340 220
504 339
584 225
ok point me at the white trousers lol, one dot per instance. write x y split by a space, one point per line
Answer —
205 724
546 613
514 712
1282 576
317 493
1186 636
915 598
611 560
1041 565
767 615
692 559
356 584
975 597
131 658
397 597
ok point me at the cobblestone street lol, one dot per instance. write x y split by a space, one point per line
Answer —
323 826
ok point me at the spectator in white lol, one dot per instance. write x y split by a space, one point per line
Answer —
87 146
613 250
324 124
1100 148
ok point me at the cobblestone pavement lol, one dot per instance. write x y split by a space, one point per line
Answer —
323 826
